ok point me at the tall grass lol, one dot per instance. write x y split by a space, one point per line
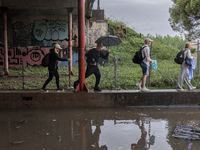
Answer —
176 42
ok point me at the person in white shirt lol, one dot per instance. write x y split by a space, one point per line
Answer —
184 75
145 65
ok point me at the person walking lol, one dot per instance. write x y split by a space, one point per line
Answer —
184 75
53 67
93 56
145 65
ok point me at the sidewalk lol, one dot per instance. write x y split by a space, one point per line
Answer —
105 98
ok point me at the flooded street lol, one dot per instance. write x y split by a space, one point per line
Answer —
97 129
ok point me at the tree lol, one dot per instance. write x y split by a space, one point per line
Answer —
185 17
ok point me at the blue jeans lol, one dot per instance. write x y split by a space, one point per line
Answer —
145 68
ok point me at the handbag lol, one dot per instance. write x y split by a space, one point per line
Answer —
187 61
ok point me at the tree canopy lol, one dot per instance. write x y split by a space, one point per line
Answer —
185 17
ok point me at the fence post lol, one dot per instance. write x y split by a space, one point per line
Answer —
115 72
149 77
197 58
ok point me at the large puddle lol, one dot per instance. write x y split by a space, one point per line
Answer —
96 129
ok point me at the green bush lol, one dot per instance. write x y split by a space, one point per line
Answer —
193 50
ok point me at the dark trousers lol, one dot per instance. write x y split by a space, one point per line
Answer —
89 71
51 74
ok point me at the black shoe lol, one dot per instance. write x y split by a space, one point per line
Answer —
75 84
97 89
44 89
60 90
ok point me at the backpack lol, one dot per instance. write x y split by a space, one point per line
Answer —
45 60
179 57
138 56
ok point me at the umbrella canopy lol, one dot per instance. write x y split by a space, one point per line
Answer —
109 40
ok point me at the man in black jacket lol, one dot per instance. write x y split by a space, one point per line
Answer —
53 67
93 56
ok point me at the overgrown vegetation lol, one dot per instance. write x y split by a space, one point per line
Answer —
164 51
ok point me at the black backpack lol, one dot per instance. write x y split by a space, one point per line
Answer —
138 56
179 57
45 60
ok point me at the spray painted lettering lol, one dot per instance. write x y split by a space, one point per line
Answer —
21 32
23 56
50 30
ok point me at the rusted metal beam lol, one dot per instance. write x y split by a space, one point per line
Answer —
70 72
82 87
6 71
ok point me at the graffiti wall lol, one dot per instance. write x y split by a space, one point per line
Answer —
50 30
32 56
21 32
39 32
23 56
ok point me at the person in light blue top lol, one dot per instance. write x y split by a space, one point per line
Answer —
184 75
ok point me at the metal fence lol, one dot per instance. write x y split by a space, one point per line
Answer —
126 70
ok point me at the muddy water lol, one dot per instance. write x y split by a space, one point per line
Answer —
98 129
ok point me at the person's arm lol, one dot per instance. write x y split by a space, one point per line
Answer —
105 56
61 59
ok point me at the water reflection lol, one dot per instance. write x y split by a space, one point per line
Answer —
142 142
96 129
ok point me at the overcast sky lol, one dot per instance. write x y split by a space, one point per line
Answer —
144 16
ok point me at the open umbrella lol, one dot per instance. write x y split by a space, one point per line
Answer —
108 40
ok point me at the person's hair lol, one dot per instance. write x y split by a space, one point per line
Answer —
99 45
187 45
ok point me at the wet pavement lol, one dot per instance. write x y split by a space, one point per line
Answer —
129 128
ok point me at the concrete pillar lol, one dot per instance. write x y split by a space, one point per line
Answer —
70 40
4 10
82 87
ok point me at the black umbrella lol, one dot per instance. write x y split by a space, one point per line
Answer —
109 40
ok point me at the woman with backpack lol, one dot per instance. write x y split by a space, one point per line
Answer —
53 67
184 75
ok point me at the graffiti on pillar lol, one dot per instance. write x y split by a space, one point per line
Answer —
50 30
24 56
21 32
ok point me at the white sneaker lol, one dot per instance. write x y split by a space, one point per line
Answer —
145 90
180 89
138 85
193 88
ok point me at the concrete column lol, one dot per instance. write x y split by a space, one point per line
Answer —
82 87
6 71
70 40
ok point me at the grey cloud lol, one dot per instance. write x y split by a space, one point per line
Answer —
142 15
